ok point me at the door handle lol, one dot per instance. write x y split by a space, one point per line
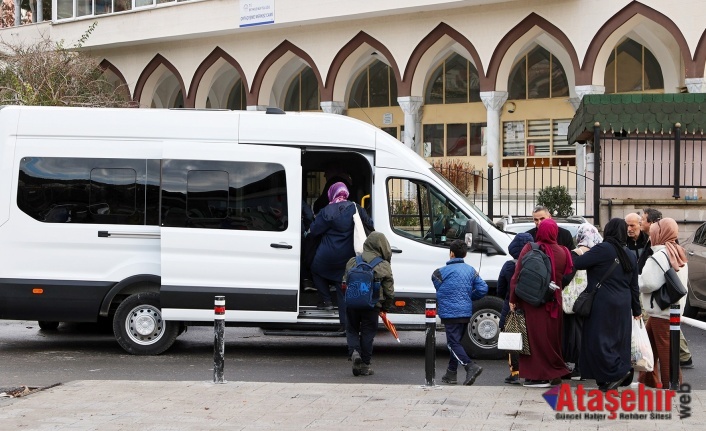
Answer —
280 245
396 250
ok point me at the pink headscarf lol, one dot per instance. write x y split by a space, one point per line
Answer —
338 192
664 232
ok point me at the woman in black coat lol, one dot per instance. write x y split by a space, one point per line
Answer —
605 341
334 224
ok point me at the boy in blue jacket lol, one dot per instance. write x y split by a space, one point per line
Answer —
457 285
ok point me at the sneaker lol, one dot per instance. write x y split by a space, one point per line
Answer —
686 364
513 380
472 373
556 381
326 305
576 375
332 287
308 286
536 383
357 363
365 370
449 378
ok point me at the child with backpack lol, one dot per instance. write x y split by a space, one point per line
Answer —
457 285
369 290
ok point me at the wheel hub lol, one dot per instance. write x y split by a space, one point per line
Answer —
487 329
144 324
484 328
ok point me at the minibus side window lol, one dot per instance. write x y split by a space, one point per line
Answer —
421 212
224 195
83 190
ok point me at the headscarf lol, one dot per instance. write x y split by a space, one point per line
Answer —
547 233
615 233
664 232
338 192
588 236
517 243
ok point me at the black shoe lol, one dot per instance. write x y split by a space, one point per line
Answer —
687 364
357 363
472 373
308 286
628 379
450 378
576 375
609 386
556 381
365 370
513 380
326 305
536 383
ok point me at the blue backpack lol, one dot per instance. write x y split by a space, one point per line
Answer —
362 290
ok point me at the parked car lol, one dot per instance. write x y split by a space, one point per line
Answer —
696 254
518 224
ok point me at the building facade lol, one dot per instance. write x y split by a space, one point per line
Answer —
478 81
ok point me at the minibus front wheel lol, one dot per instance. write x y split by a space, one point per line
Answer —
139 328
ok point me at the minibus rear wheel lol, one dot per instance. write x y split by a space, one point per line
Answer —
139 328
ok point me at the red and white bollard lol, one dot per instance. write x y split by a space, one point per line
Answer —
430 344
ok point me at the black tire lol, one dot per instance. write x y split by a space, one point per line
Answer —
689 310
481 338
139 328
48 326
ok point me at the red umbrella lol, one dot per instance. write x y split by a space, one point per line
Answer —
389 325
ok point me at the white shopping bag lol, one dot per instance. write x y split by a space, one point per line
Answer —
510 341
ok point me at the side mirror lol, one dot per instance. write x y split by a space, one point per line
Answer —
472 236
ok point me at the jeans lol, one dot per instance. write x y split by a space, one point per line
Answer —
361 327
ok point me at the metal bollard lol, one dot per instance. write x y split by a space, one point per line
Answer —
219 324
430 345
674 329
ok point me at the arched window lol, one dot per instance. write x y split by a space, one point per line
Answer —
375 86
632 67
537 75
236 97
454 81
303 92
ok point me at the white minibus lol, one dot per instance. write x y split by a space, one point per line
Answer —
143 216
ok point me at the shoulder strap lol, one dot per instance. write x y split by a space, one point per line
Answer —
373 263
534 246
359 259
657 262
610 271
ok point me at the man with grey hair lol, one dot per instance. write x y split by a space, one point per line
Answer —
637 239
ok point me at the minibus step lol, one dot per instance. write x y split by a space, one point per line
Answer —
303 333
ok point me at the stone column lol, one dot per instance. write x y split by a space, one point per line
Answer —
582 90
411 106
493 102
695 85
333 107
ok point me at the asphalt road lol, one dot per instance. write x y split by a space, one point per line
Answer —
36 358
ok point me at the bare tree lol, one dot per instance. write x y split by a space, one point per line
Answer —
50 74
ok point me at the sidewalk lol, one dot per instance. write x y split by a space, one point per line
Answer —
127 405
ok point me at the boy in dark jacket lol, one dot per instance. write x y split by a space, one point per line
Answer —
504 278
362 324
457 285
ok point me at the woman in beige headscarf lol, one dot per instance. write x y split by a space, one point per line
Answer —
666 253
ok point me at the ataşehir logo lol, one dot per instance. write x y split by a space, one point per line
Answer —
593 404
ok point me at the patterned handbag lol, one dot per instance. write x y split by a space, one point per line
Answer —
515 322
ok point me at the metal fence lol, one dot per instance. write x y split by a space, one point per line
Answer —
519 187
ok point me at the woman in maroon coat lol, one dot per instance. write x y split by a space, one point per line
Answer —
545 365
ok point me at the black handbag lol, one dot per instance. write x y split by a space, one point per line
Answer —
584 303
671 291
